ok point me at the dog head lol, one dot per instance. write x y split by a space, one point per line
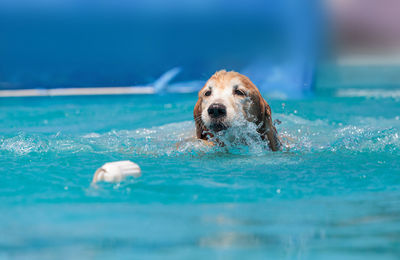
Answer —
228 97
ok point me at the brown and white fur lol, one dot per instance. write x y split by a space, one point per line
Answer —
229 96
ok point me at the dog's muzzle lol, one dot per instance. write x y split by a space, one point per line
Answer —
216 111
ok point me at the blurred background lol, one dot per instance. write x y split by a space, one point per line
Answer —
290 49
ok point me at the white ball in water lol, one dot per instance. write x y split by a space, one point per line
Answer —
116 171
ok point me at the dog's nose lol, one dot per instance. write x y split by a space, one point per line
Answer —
217 110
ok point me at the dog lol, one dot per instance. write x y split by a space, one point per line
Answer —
229 97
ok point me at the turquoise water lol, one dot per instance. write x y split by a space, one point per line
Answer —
333 193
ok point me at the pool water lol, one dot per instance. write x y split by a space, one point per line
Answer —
332 193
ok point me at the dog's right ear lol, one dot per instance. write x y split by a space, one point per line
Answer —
200 128
268 129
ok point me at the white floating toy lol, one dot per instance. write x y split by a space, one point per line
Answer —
116 171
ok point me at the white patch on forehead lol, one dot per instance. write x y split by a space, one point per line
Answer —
220 94
236 81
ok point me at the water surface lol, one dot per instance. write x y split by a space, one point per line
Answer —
333 193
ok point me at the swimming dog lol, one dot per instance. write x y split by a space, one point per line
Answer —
229 97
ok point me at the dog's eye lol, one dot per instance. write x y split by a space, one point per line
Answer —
239 92
207 93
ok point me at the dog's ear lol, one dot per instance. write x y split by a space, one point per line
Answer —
200 128
266 128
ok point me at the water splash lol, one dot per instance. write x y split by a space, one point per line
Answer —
241 138
176 139
360 134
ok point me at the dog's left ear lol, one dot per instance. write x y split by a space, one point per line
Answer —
200 128
267 129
